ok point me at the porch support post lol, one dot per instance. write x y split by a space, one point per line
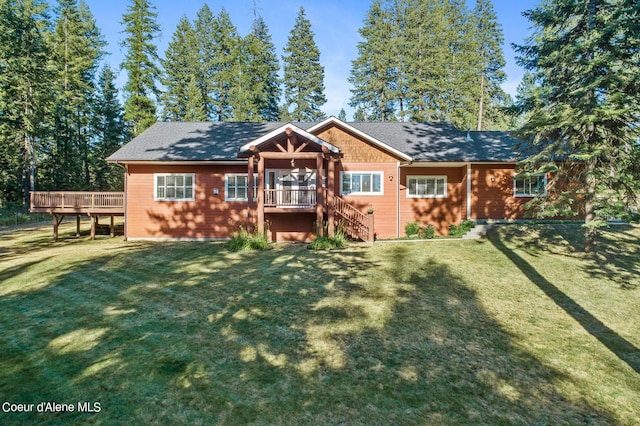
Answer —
330 194
55 227
112 227
250 191
77 225
261 194
94 220
319 194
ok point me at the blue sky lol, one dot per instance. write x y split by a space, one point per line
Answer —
335 24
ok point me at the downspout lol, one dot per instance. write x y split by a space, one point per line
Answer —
397 199
468 190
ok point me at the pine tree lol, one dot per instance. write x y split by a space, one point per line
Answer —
582 124
77 49
303 73
179 66
194 106
109 131
206 52
140 62
224 65
25 93
342 116
372 72
261 65
490 39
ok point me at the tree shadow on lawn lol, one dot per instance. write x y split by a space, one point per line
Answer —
190 333
622 348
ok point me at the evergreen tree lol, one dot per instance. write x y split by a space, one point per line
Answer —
110 132
194 109
303 73
25 93
179 66
372 72
582 123
260 66
490 39
224 63
77 48
206 52
140 63
342 116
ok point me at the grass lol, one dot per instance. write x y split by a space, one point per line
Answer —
520 328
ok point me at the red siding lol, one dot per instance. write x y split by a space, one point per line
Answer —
209 216
492 193
438 212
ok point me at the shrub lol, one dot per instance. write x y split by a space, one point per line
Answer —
428 232
457 231
412 228
338 241
244 240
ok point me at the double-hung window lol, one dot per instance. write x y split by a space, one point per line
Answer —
426 186
361 183
237 187
174 187
529 185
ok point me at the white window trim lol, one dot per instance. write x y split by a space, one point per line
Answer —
381 174
236 199
155 187
435 177
542 194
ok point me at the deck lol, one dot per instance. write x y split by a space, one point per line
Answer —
73 203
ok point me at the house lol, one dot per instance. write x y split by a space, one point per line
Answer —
205 180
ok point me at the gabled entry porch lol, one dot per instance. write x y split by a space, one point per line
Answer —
295 174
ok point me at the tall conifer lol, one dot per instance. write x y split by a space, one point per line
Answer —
582 123
141 64
303 73
25 93
179 66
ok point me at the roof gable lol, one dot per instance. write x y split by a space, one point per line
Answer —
286 129
376 142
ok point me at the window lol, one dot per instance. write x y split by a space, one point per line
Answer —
361 183
237 187
174 187
529 185
426 186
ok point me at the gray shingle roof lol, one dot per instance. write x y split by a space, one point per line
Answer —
432 142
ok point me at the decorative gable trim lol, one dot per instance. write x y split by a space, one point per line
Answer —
368 138
283 129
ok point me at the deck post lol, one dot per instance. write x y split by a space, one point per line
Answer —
330 196
93 226
112 228
371 236
250 190
260 194
319 195
77 225
55 227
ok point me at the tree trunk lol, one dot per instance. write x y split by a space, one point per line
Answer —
591 230
481 104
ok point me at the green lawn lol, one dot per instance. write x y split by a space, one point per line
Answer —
517 329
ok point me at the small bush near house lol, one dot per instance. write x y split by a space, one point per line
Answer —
338 241
412 229
457 231
244 240
428 232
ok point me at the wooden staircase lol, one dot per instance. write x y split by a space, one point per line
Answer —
354 223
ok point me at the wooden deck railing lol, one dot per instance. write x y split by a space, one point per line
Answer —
355 223
77 202
290 198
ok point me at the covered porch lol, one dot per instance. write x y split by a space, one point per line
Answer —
291 171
